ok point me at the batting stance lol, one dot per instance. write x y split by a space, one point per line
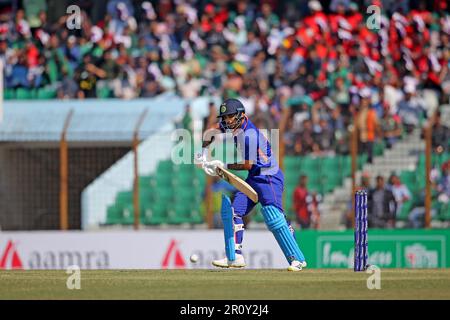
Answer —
265 177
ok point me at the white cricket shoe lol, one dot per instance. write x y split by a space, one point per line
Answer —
239 262
297 265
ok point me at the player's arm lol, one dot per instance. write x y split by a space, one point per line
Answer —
247 165
209 135
249 158
206 142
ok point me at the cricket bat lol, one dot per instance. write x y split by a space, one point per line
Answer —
238 183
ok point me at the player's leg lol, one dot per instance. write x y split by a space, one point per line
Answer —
270 193
271 189
242 205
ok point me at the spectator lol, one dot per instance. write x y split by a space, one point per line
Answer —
443 187
365 181
299 203
112 74
323 57
391 127
411 109
305 205
440 135
150 88
87 75
68 87
416 217
367 124
323 135
304 140
381 206
340 94
400 191
392 92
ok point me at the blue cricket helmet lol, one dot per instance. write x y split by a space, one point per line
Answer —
231 106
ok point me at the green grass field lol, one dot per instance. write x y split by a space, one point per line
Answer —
226 284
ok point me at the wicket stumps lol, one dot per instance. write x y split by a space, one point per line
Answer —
361 245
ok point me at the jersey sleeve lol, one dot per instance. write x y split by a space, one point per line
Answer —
256 148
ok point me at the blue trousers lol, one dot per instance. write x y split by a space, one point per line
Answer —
270 192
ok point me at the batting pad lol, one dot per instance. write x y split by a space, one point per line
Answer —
228 229
277 224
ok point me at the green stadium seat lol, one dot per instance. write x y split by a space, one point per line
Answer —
164 167
199 173
104 93
328 164
146 195
124 198
163 194
184 213
288 203
128 214
291 163
345 163
184 169
378 148
146 215
163 180
408 177
146 182
196 217
154 214
421 161
185 180
23 94
291 178
405 210
200 184
45 93
314 186
309 164
436 210
362 160
289 189
52 70
444 212
421 182
313 177
187 196
9 94
331 181
113 215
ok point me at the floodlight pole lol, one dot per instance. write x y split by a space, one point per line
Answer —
136 205
64 176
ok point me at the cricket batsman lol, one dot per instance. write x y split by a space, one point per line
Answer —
265 177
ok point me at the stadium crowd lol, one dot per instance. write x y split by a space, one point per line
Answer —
328 64
324 62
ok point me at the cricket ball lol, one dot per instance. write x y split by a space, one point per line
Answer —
194 258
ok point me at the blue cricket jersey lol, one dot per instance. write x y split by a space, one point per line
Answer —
253 146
